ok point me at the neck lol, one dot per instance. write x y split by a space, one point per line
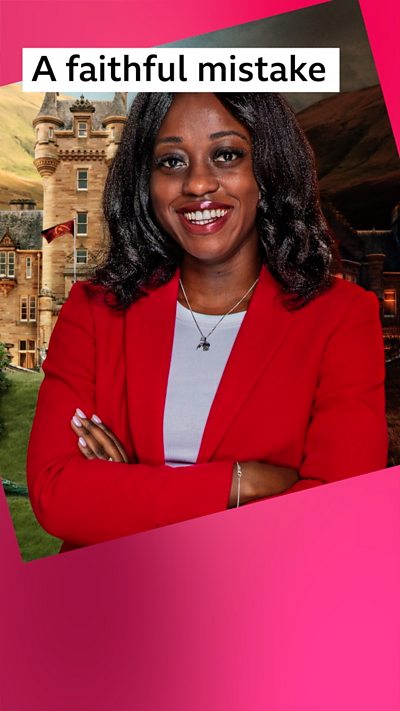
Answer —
215 289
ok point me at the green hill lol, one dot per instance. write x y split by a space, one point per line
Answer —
18 175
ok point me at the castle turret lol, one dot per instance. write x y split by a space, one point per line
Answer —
46 161
114 122
45 124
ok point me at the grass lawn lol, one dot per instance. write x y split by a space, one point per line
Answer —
17 407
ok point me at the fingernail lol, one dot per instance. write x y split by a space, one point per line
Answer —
80 413
82 442
76 422
96 419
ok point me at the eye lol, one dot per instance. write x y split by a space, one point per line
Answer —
170 162
227 155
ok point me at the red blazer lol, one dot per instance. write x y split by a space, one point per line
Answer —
303 389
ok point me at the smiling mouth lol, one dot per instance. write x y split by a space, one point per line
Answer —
204 217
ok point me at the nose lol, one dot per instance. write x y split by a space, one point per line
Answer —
200 180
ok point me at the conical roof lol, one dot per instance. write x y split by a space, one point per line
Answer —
49 105
118 106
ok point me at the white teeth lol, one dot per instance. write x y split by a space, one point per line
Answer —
203 217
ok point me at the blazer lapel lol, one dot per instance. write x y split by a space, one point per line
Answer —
150 324
263 329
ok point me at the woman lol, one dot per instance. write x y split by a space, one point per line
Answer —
213 360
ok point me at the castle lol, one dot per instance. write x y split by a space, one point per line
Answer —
75 141
74 144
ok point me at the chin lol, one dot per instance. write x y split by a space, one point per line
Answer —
204 251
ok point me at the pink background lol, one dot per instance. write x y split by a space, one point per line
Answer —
285 605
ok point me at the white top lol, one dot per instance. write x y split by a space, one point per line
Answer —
193 380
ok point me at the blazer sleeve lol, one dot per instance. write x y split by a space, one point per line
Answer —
88 501
347 433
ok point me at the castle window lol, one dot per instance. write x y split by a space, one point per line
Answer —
389 302
28 268
82 129
23 308
11 264
81 256
82 223
27 308
82 179
32 308
26 354
7 264
51 133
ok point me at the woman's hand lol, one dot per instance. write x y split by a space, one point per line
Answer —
260 480
96 441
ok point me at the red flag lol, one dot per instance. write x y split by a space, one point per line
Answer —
58 230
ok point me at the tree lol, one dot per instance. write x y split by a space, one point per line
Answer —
4 382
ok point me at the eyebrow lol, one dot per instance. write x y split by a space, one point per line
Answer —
213 137
222 134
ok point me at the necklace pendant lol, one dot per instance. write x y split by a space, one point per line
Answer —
204 344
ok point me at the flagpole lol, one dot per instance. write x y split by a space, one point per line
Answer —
74 249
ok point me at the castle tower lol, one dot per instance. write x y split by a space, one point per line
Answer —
115 122
46 162
374 264
75 142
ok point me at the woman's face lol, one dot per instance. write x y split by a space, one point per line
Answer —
203 190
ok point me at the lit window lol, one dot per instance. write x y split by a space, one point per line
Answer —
82 178
389 302
24 308
81 256
28 268
82 129
32 308
26 355
82 223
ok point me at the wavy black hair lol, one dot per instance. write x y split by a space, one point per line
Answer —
295 242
